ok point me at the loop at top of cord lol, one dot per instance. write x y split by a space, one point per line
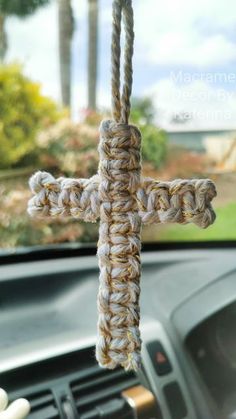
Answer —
121 103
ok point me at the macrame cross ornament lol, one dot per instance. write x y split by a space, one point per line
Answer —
122 200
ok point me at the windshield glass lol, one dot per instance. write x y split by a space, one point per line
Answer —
55 90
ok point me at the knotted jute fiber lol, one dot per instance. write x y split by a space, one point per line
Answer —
123 200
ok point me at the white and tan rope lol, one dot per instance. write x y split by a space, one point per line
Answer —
179 201
119 246
123 201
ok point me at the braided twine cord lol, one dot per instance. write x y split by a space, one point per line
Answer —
119 244
179 201
123 201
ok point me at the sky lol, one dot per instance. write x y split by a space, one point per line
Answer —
184 58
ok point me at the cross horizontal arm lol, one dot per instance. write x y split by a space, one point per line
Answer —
179 201
64 197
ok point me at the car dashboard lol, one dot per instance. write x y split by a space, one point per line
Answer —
188 312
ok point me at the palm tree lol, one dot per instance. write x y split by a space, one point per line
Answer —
3 37
19 8
92 52
66 28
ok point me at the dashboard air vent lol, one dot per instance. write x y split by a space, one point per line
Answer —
42 405
98 393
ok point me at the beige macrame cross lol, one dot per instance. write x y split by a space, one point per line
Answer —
123 200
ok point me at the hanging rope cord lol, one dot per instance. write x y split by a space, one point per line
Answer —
122 200
119 244
121 104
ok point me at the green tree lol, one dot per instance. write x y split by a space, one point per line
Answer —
66 29
92 53
3 37
23 112
19 8
154 144
143 111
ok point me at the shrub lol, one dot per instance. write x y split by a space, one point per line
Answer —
23 112
154 145
18 229
69 148
154 140
20 8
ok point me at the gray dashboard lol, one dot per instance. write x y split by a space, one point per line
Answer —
48 308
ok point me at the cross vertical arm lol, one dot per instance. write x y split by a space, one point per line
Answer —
119 247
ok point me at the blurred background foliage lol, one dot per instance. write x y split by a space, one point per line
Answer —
18 8
154 140
23 112
69 148
36 133
34 130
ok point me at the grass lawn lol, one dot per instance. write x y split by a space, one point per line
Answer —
224 228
